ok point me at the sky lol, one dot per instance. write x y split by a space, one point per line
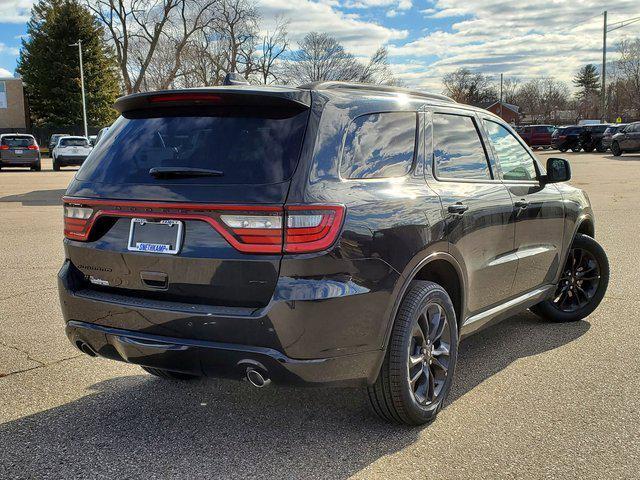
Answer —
428 38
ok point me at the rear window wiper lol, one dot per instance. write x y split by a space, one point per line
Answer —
183 172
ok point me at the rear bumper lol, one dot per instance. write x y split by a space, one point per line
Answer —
312 332
19 162
71 160
217 359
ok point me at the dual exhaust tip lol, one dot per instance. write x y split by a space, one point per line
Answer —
256 378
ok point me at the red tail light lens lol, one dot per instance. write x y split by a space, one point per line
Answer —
312 228
4 147
77 222
185 97
33 147
249 229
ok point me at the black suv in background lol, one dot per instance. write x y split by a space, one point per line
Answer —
327 234
592 137
565 138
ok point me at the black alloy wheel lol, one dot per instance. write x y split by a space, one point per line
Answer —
428 362
419 364
582 285
579 282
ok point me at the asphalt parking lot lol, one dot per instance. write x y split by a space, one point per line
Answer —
530 399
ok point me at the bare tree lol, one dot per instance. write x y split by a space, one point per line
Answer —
147 31
321 57
274 45
464 86
236 28
628 68
541 97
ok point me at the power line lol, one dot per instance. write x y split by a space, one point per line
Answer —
623 23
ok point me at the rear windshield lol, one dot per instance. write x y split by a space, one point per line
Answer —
16 142
74 142
248 145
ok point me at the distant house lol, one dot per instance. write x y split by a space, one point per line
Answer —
508 112
13 106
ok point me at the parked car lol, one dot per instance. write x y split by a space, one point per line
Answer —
537 135
609 133
591 137
53 141
70 151
327 234
92 140
19 150
565 138
626 140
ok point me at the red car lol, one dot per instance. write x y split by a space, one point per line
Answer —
537 135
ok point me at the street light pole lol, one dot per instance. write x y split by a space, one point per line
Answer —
84 103
604 67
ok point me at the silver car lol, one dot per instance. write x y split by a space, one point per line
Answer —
19 150
70 151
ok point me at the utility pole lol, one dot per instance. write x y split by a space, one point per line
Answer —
604 68
84 103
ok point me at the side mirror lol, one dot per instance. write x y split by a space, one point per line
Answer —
558 170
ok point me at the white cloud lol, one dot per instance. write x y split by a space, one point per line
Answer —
15 11
357 35
400 4
9 50
4 73
518 39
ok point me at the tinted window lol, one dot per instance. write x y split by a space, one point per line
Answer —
541 130
18 141
249 145
457 150
515 161
379 145
73 142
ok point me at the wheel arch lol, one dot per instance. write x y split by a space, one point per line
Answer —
585 226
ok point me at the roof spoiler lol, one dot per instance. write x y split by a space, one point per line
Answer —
232 95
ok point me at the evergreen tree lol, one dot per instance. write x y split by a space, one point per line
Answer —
50 67
587 80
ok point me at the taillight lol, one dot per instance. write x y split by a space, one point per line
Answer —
249 229
33 147
184 97
311 228
77 222
4 147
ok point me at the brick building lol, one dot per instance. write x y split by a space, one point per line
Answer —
508 112
13 106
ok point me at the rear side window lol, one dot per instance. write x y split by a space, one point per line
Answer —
16 141
255 145
458 152
515 161
379 145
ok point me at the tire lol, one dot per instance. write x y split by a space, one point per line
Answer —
56 167
169 375
392 396
615 149
563 149
550 309
601 148
37 167
576 148
589 148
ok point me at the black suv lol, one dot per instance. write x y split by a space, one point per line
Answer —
592 137
565 138
327 234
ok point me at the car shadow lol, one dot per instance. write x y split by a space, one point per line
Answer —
140 426
36 198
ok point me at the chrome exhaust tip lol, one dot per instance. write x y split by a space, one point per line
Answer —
86 348
256 378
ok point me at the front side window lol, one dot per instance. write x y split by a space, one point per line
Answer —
458 153
515 161
379 145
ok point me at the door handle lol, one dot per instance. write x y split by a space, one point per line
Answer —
521 204
457 208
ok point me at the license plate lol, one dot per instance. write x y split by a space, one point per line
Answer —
18 152
162 236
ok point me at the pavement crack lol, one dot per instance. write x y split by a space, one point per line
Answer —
24 352
42 365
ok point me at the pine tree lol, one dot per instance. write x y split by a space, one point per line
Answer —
50 67
587 80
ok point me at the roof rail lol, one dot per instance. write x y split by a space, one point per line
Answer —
330 85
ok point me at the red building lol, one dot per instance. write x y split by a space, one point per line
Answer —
508 112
